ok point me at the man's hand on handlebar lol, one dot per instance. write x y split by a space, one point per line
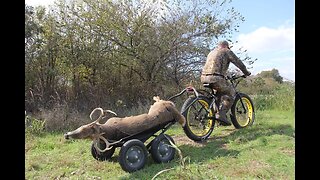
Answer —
236 76
246 75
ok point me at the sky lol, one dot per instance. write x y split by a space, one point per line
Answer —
268 33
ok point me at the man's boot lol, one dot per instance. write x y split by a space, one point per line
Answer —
222 116
224 107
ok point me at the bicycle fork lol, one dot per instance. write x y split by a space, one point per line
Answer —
242 104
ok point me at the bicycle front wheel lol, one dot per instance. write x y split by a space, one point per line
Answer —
242 111
199 118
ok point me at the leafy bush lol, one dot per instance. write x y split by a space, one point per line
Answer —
281 98
284 98
34 126
262 102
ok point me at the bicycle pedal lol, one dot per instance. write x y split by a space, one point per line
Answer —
223 123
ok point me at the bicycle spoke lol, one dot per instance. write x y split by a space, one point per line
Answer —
239 111
199 125
193 107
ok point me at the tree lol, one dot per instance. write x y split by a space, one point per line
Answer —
94 52
274 73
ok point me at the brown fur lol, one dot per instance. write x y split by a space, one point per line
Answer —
116 128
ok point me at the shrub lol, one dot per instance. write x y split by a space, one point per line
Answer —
33 126
280 98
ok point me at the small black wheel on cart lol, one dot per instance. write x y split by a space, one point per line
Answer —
133 155
101 156
161 149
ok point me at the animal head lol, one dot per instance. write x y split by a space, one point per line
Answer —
91 130
84 132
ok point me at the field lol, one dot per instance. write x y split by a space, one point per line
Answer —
265 150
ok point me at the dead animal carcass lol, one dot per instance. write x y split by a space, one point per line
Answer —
130 133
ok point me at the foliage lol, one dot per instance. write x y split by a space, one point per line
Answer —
93 53
80 55
274 73
34 126
282 97
267 92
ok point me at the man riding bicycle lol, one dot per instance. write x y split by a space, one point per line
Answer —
214 72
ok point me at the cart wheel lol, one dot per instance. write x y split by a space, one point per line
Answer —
161 149
101 156
133 155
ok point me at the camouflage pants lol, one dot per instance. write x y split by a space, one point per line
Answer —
224 90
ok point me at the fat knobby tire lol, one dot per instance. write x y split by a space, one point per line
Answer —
187 129
233 111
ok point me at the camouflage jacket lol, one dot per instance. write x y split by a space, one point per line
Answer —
218 61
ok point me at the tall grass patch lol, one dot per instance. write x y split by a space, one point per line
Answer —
33 126
281 98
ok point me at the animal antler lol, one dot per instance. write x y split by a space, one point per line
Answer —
99 136
100 117
109 111
96 141
101 114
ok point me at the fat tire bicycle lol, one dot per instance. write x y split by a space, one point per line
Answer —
200 107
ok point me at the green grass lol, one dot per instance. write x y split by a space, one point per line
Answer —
264 151
280 98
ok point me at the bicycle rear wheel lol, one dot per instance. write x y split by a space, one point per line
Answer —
242 113
199 118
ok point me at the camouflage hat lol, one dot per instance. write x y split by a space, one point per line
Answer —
224 43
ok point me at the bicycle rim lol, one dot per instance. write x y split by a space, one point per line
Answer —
197 115
244 119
